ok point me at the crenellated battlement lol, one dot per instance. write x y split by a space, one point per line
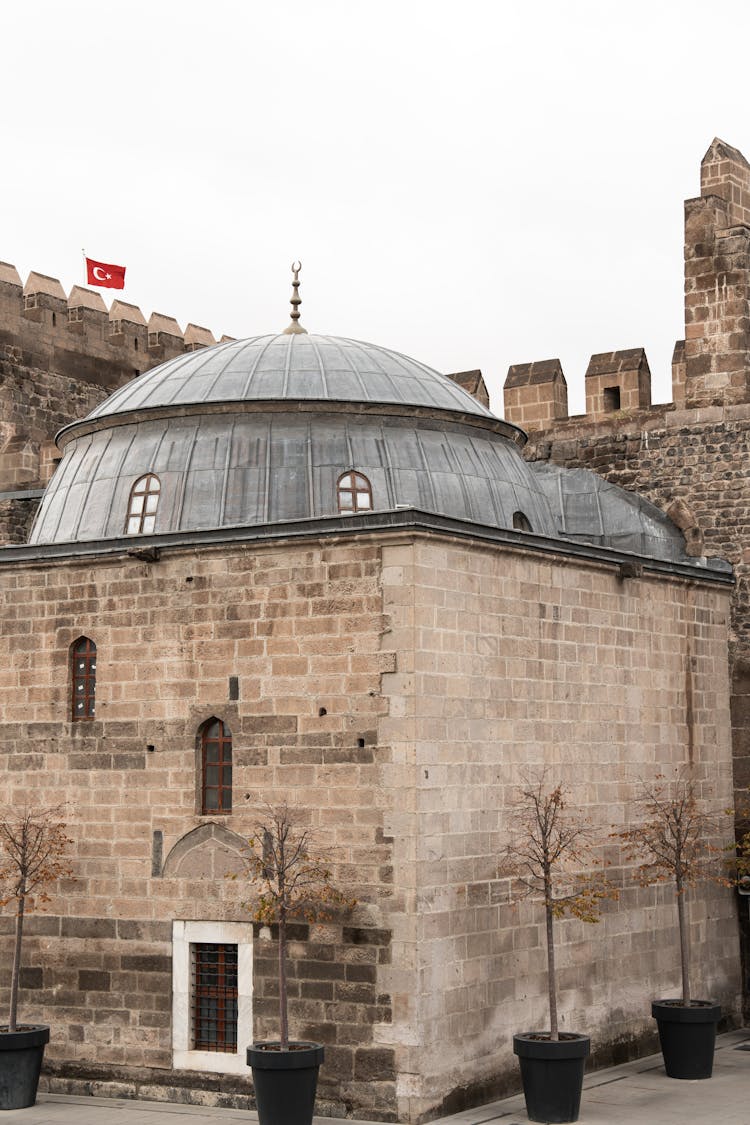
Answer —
60 356
711 366
77 336
617 384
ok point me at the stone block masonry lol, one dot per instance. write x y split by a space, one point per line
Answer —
168 637
518 663
689 457
394 687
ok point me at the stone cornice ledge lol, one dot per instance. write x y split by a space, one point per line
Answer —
628 564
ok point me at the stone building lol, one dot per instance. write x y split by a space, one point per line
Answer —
689 456
306 568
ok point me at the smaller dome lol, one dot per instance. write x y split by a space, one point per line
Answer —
298 367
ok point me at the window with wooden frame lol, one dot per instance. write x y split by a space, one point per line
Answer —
144 500
354 493
83 679
214 997
216 768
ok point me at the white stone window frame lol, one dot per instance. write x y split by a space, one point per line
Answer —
185 934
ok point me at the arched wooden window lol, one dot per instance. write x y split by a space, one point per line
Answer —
216 768
521 522
354 493
83 679
144 500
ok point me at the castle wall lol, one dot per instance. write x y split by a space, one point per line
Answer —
59 358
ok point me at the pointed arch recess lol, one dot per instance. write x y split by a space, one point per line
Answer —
206 852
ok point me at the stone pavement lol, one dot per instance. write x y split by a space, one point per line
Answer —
637 1093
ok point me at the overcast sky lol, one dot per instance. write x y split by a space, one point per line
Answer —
473 183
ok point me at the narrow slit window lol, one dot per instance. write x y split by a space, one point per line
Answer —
354 493
214 996
216 767
144 500
521 522
83 679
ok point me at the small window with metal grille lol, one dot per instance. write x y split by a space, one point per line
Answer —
354 493
216 768
214 997
83 679
144 500
212 986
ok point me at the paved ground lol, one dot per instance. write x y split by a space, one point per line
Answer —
638 1093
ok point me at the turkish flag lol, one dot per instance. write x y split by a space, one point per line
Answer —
108 277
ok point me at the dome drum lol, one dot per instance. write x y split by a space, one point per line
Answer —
253 468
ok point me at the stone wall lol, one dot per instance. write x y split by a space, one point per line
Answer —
511 662
395 690
301 629
689 457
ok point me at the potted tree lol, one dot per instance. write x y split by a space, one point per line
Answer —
32 850
672 843
548 848
289 883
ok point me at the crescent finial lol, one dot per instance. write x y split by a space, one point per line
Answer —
295 328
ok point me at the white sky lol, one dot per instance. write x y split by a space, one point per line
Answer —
473 183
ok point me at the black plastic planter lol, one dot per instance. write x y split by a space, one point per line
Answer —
285 1081
687 1034
552 1074
21 1054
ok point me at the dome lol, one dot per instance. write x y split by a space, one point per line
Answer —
298 427
283 367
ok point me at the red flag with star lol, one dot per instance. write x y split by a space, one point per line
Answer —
104 275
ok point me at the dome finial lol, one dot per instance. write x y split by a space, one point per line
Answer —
295 301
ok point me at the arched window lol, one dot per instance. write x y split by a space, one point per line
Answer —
354 493
521 522
83 679
216 768
144 499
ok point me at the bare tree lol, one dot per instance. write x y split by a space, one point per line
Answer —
290 883
550 845
673 844
33 843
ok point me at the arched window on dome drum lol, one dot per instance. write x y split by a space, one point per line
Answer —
144 500
216 768
354 493
83 679
521 522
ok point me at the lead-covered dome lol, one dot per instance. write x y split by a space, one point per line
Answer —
288 367
303 427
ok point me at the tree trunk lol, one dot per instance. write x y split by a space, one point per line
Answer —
551 978
283 1014
16 971
684 941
